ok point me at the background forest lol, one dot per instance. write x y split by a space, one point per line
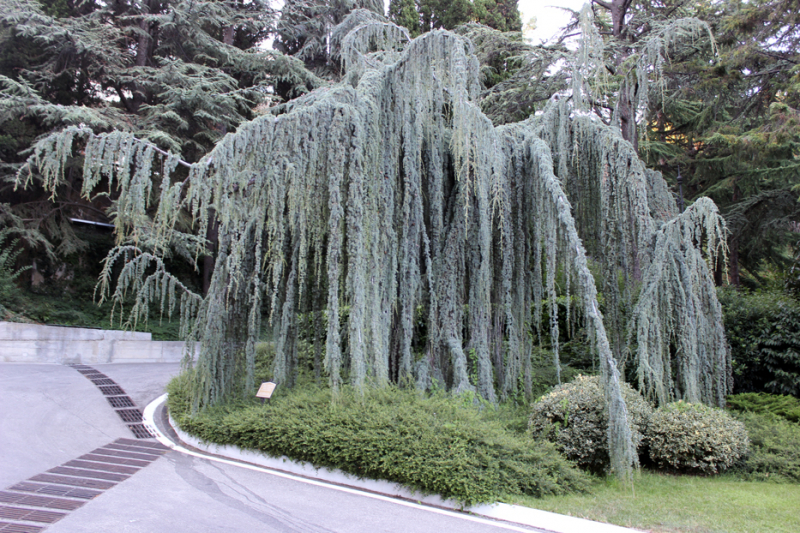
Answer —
132 141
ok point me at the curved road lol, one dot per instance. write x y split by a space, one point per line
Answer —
51 415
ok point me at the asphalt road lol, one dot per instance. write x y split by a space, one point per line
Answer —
51 414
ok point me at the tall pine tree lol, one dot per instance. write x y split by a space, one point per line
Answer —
729 122
179 74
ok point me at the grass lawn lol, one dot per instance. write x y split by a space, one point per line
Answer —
666 503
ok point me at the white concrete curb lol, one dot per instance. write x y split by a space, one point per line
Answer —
307 473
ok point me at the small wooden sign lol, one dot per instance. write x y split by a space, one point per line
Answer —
265 390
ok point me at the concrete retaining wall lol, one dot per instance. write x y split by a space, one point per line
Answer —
32 343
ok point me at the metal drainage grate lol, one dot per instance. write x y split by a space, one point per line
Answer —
108 459
82 473
6 527
156 447
128 452
103 467
120 401
31 515
96 484
140 432
39 501
112 390
55 490
130 415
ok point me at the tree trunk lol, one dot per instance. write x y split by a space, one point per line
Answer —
212 238
627 114
733 259
227 35
144 52
627 118
212 233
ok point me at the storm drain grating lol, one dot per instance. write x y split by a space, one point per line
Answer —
127 452
155 447
39 501
30 515
74 483
6 527
114 460
55 490
103 467
140 432
111 390
118 399
83 483
118 402
87 474
130 415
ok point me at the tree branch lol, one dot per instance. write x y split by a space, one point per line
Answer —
123 99
58 206
775 55
164 152
674 8
626 5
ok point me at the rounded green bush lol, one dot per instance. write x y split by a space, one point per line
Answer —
574 417
693 437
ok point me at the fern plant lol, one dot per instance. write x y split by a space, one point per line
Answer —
8 271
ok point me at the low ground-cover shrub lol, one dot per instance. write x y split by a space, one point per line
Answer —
574 417
436 445
774 448
695 438
787 407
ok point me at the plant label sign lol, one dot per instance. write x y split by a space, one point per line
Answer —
265 390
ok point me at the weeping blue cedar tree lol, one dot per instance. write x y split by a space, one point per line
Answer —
393 195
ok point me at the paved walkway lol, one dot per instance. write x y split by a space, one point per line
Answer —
75 457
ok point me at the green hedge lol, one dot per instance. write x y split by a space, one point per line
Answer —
763 329
439 445
774 448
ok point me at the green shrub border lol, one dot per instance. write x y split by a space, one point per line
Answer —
784 406
438 444
774 449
